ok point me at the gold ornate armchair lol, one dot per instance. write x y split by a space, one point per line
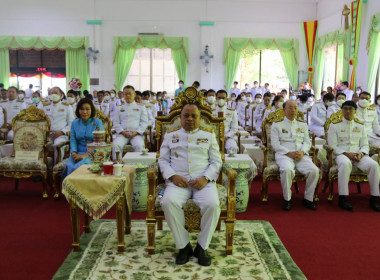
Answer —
4 129
31 129
60 165
271 171
330 169
227 195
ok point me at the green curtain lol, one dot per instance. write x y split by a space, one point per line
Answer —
341 38
77 67
289 49
4 67
123 63
373 47
179 47
38 43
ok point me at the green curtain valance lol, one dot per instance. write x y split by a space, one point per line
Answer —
134 42
374 28
238 44
33 42
336 37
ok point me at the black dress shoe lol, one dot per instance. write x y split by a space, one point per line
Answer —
309 204
344 204
286 205
374 203
184 254
203 258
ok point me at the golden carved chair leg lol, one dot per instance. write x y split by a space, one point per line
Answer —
265 190
159 224
86 225
56 184
127 218
74 216
151 224
331 189
229 237
44 193
120 217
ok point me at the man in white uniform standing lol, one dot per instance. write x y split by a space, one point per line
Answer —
349 140
190 162
131 121
290 140
346 90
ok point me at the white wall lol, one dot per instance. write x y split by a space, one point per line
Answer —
329 16
239 18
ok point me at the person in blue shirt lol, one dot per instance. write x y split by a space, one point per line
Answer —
181 88
81 134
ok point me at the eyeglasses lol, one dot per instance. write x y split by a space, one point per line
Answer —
348 109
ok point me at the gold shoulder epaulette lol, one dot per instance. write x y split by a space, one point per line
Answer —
300 120
269 107
358 121
231 109
171 130
65 103
206 129
153 101
45 103
371 108
372 105
337 121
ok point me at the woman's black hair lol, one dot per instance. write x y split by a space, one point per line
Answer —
276 99
81 103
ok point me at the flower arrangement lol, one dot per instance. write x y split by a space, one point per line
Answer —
75 84
305 86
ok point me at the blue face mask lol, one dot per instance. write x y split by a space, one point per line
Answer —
292 98
36 100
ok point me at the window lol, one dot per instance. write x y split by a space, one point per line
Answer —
153 69
330 67
43 69
264 66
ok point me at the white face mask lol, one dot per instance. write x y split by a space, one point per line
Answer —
21 96
221 102
71 100
55 97
258 100
233 98
292 98
279 104
364 103
340 102
246 87
107 97
249 99
255 85
330 103
112 95
358 91
243 98
211 99
180 85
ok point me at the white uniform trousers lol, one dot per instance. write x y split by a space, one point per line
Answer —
208 201
366 164
56 141
231 145
287 172
137 143
373 140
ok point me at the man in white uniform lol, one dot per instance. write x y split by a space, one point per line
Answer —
13 106
346 90
258 113
290 140
102 104
368 116
61 115
210 98
340 98
230 123
190 162
318 114
235 89
255 90
131 121
349 140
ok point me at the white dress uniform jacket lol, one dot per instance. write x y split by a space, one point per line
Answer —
351 137
349 93
303 108
318 116
13 107
191 155
240 109
104 107
289 136
331 110
234 90
378 112
258 116
231 127
371 123
130 117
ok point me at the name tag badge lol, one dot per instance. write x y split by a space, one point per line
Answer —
284 130
202 140
61 110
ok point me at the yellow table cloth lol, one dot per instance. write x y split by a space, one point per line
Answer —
96 194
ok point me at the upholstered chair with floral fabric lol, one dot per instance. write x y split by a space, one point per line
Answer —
31 133
227 194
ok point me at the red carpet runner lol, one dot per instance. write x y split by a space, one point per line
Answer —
326 244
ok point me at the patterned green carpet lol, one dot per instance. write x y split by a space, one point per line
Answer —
258 254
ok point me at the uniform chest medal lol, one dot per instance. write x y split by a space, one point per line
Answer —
175 140
299 130
61 110
202 140
136 110
228 115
